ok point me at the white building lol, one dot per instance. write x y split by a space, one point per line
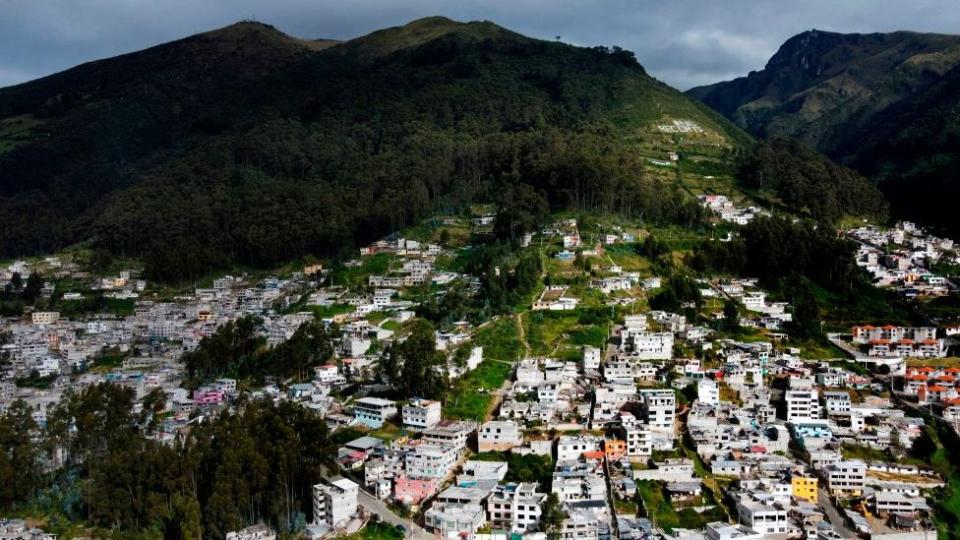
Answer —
803 402
453 434
571 447
719 530
431 461
421 413
660 406
455 520
45 317
837 402
515 507
764 517
846 477
335 503
499 435
708 392
374 412
647 345
639 441
591 358
253 532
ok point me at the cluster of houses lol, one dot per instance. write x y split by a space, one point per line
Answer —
900 258
933 385
141 350
761 311
899 341
680 126
752 424
727 211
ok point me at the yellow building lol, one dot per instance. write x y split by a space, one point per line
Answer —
804 488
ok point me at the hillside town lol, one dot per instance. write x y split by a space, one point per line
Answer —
663 426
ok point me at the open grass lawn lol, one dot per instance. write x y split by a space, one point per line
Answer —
432 231
378 263
625 256
552 333
664 513
471 395
108 361
818 350
951 361
387 432
499 340
545 330
325 312
624 506
868 305
857 451
376 531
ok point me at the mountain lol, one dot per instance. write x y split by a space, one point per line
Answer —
912 150
821 87
244 145
885 104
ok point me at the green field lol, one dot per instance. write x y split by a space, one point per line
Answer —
499 340
376 531
472 394
549 333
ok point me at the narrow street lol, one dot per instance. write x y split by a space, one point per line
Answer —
377 507
833 515
845 347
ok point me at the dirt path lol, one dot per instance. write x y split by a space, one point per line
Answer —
521 335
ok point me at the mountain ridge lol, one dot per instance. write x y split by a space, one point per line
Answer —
277 150
885 104
819 82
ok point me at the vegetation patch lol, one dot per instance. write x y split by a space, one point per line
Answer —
472 394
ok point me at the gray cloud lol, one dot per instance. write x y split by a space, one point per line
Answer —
682 42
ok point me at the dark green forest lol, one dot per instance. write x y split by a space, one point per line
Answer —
250 149
808 183
232 470
238 350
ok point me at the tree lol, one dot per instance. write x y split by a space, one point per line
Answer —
16 281
420 370
552 516
924 445
389 366
31 291
152 406
806 314
101 259
184 522
460 357
521 209
20 468
731 316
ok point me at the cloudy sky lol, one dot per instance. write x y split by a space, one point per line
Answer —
682 42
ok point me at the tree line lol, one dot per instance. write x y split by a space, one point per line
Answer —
237 349
93 463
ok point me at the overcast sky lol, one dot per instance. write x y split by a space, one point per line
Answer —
682 42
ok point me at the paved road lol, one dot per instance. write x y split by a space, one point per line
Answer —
375 506
833 516
846 347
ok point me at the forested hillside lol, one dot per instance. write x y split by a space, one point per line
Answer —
885 104
913 152
244 145
808 182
